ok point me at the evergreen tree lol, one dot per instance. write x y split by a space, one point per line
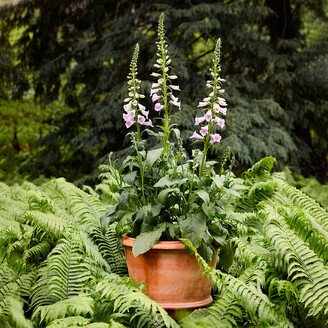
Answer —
276 69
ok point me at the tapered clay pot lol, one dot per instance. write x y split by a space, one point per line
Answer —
171 274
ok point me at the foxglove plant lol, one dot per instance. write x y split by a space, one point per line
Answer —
164 195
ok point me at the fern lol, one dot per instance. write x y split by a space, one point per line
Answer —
307 204
255 303
49 223
65 274
303 266
72 306
128 299
223 313
111 249
85 208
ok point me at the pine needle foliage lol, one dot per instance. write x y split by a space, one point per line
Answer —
276 70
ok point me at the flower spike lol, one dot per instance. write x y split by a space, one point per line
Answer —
135 113
214 104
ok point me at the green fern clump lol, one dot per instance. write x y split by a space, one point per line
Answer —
55 258
60 268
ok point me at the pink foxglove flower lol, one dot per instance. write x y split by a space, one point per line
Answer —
175 87
127 107
202 104
129 123
220 109
196 136
155 97
208 116
158 107
130 115
220 122
153 91
129 118
204 130
199 120
215 138
141 119
145 113
222 101
148 123
176 102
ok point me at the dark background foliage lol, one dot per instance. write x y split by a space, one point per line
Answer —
274 59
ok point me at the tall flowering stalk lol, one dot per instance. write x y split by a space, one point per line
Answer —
161 92
135 113
213 107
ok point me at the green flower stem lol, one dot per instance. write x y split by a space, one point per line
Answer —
206 147
215 71
141 167
166 121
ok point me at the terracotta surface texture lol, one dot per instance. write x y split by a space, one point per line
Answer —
171 274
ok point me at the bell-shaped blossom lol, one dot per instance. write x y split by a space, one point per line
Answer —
204 130
218 109
222 101
176 102
208 116
199 120
215 138
127 107
196 136
175 87
129 118
145 113
155 97
142 121
158 107
220 122
128 123
148 123
202 104
153 91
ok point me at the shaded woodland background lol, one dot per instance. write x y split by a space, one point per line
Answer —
63 67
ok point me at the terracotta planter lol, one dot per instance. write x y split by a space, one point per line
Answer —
171 274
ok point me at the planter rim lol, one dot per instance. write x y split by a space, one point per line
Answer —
174 244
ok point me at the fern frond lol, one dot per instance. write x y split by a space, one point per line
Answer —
255 303
95 257
37 252
11 312
224 312
111 249
70 322
306 203
86 209
309 230
64 275
49 223
261 168
129 299
303 266
81 305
